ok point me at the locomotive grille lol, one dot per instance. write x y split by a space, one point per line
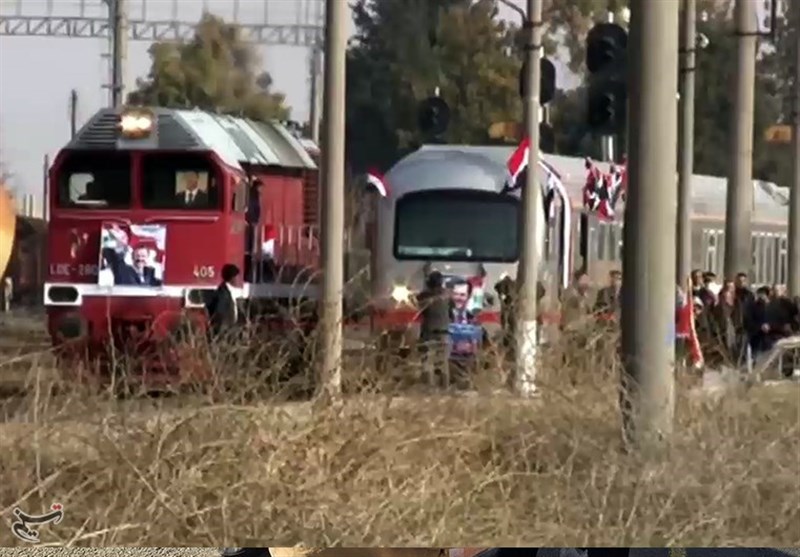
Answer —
100 133
172 135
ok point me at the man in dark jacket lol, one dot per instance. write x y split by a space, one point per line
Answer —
759 323
223 311
436 308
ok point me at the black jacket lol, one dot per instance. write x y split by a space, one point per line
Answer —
222 310
435 310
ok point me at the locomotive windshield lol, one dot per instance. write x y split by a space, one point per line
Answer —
457 225
96 180
179 181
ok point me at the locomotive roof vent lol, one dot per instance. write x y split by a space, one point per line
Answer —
172 134
100 132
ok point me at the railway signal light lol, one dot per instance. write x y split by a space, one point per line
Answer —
608 101
433 116
606 46
606 60
547 84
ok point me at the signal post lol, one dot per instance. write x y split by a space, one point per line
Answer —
648 293
686 140
794 193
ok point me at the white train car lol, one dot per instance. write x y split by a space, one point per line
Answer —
444 212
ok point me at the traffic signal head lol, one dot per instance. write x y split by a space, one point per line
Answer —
607 105
433 116
606 46
547 84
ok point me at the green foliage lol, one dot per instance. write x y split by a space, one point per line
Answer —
216 71
404 50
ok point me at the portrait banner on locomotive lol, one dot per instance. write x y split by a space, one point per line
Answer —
132 255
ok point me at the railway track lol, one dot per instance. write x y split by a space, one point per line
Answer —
28 377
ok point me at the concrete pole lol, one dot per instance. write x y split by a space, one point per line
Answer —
794 194
739 209
119 44
329 382
648 265
526 340
686 141
314 115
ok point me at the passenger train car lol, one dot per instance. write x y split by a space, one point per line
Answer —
444 212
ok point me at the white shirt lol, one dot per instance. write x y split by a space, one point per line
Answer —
190 195
235 305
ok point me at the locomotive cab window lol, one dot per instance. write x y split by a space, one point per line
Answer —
96 180
457 225
186 182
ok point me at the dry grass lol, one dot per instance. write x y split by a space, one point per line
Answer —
401 468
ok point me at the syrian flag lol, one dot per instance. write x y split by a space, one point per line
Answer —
552 188
377 181
602 192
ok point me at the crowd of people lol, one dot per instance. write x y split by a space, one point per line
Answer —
733 322
736 323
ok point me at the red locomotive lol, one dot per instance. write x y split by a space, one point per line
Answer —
148 204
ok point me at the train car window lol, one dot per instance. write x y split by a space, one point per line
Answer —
457 225
602 241
720 252
756 245
615 248
769 259
97 180
783 259
240 196
187 181
710 247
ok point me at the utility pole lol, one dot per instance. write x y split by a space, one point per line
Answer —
686 141
794 193
739 207
119 38
314 116
330 372
526 341
648 265
73 113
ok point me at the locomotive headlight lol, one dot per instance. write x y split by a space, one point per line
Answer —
136 124
401 294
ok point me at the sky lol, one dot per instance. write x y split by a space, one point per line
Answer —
38 73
